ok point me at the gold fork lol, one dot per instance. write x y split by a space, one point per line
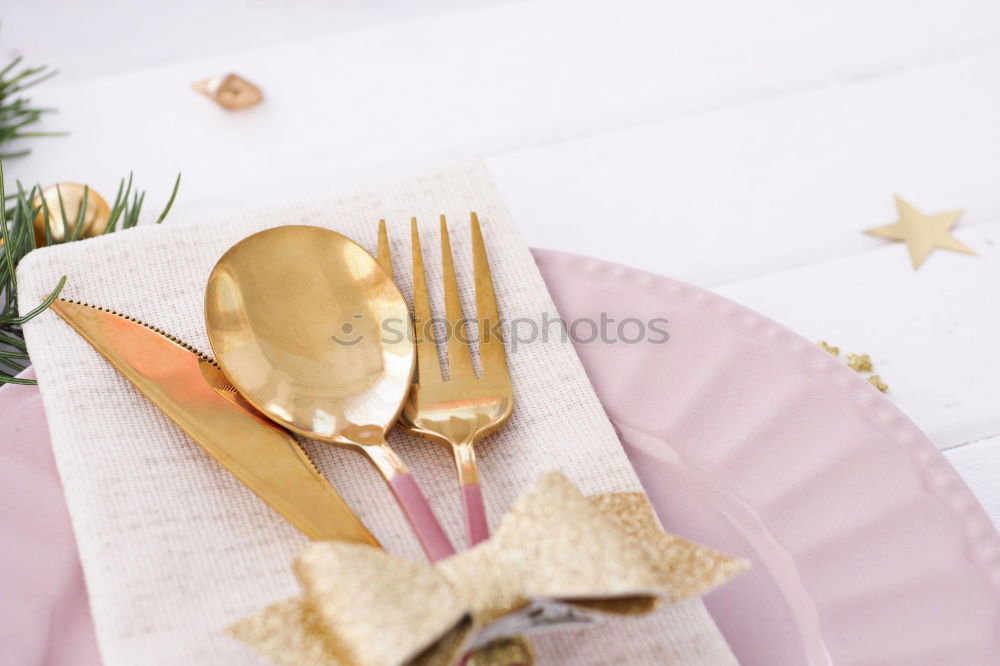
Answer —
461 410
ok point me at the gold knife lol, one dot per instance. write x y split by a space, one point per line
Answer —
190 388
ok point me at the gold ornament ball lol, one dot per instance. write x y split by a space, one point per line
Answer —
95 219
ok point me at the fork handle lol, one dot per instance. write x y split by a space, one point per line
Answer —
477 529
422 519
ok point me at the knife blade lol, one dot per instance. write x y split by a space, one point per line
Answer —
191 389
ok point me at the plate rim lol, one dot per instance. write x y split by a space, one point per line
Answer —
940 480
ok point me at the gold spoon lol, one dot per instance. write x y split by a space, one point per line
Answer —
314 334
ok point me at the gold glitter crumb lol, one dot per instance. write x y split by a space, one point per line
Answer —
830 348
860 362
230 91
877 382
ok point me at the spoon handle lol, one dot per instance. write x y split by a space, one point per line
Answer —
423 521
415 506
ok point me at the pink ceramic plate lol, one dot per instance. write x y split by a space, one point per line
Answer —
44 617
867 547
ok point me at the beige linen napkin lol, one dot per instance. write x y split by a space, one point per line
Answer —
174 549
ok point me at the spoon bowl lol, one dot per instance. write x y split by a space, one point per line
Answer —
313 333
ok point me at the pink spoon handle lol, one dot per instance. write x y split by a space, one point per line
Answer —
476 527
423 521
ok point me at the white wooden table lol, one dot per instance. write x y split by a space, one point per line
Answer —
739 146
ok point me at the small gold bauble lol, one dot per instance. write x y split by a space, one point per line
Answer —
95 219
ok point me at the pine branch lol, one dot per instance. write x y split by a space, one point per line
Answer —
16 111
17 231
20 209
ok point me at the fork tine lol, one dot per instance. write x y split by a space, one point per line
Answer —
384 256
427 356
459 351
491 349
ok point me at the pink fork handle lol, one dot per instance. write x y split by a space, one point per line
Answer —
423 521
476 527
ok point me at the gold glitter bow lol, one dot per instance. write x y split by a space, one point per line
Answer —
557 558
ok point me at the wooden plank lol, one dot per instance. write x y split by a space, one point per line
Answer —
150 34
762 186
931 333
364 104
979 465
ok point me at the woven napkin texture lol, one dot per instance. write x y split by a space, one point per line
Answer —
174 549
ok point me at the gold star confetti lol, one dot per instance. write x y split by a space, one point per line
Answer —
922 233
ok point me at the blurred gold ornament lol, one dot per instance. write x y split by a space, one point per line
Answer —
95 217
922 233
230 91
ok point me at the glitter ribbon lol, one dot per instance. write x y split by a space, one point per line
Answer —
557 558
